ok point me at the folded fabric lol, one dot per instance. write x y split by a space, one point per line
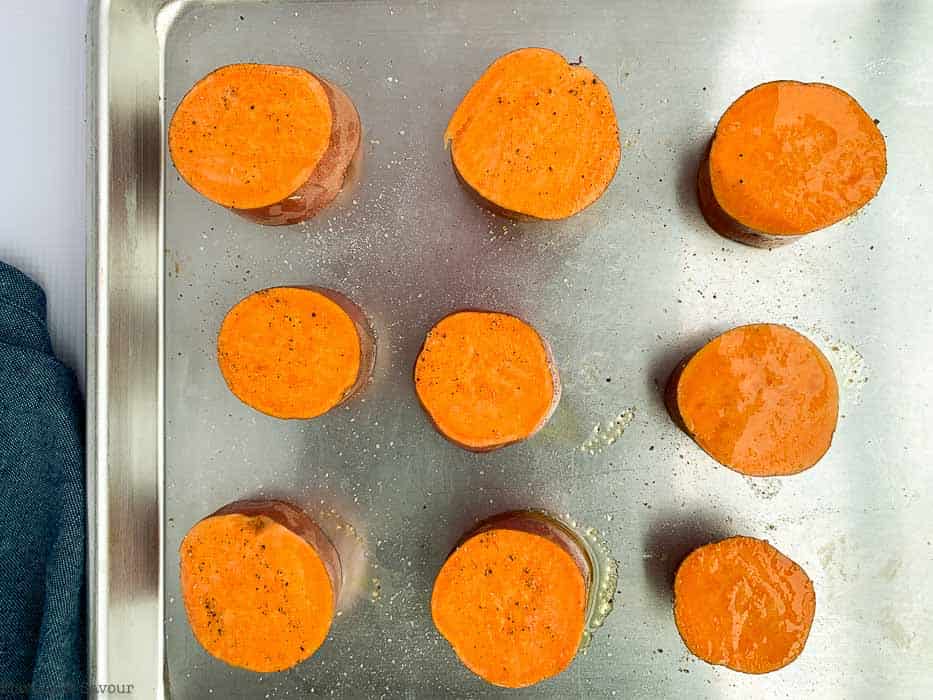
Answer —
42 504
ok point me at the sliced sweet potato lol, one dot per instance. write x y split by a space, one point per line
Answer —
760 399
535 137
486 379
788 159
511 599
742 604
260 583
295 352
274 143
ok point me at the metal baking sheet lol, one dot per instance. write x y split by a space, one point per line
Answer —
622 291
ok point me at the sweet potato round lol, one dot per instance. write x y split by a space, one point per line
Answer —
260 583
295 352
787 159
273 143
486 379
742 604
535 137
511 599
760 399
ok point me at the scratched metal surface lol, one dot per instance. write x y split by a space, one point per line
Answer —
622 291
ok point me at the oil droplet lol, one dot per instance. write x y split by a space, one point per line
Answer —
605 434
605 578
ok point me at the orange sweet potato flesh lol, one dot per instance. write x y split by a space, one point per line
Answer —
486 379
511 600
742 604
260 583
535 137
788 159
760 399
274 143
295 352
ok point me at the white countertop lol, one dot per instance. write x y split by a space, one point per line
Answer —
43 179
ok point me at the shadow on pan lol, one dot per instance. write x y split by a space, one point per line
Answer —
670 539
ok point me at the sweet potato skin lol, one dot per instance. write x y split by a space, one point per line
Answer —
335 173
670 393
555 378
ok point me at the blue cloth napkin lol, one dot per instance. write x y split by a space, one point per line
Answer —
42 505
